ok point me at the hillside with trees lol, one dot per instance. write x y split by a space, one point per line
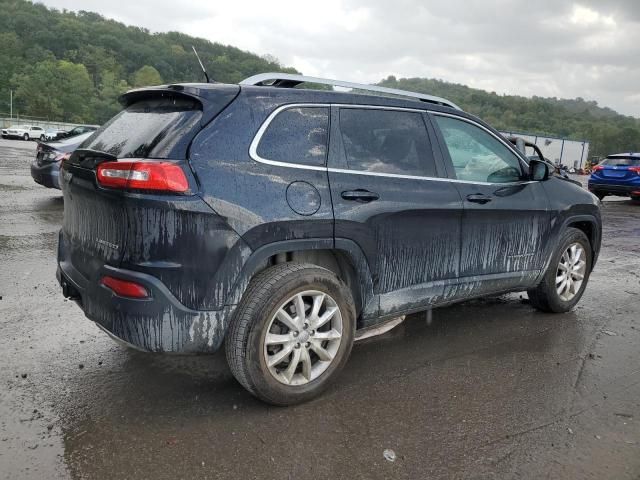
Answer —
72 66
607 131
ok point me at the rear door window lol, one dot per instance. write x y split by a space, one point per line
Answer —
386 141
150 128
297 135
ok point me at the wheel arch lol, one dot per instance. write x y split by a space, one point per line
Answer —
343 257
589 225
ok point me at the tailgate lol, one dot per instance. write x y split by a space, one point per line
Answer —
618 173
157 125
95 225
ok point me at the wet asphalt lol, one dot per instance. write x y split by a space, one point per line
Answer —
486 389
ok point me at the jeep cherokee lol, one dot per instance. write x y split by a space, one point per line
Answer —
278 221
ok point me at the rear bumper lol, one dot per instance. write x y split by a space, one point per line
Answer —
612 189
156 324
46 175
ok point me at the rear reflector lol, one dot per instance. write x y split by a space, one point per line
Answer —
124 288
143 175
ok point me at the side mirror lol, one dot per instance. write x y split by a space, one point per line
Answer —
538 170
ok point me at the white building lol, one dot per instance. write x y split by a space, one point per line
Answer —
571 153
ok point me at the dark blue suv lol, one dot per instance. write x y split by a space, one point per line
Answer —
617 175
279 220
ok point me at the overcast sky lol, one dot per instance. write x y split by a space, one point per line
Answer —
561 48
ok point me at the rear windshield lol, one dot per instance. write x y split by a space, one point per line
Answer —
150 128
622 162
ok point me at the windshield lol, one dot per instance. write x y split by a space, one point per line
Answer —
621 162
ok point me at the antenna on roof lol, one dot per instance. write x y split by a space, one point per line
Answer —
206 75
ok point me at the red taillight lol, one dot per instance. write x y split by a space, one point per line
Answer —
597 168
125 288
143 175
635 169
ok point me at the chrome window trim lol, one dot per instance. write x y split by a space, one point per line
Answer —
381 107
406 177
253 148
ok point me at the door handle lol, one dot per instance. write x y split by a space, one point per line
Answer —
363 196
478 198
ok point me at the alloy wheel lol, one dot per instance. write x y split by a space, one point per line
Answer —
303 337
571 272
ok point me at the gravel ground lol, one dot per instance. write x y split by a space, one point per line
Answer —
487 389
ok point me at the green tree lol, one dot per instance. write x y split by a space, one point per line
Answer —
10 63
75 89
35 91
146 76
105 103
54 89
31 34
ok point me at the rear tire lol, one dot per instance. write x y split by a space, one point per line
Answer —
316 351
25 137
571 264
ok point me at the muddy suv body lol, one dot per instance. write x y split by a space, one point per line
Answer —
365 205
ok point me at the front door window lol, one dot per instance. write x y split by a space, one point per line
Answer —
476 155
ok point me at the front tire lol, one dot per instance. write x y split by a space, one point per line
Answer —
25 137
567 276
291 334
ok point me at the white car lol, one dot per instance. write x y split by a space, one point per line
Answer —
53 134
25 132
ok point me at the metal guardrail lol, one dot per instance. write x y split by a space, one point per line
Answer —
7 121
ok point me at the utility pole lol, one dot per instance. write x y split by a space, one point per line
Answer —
11 105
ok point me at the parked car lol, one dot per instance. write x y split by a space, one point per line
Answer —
278 221
79 130
52 134
617 175
45 168
25 132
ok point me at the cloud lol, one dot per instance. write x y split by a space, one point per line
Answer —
558 48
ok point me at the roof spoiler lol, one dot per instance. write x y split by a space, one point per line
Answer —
212 97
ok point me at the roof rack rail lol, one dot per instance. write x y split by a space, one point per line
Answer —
288 80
